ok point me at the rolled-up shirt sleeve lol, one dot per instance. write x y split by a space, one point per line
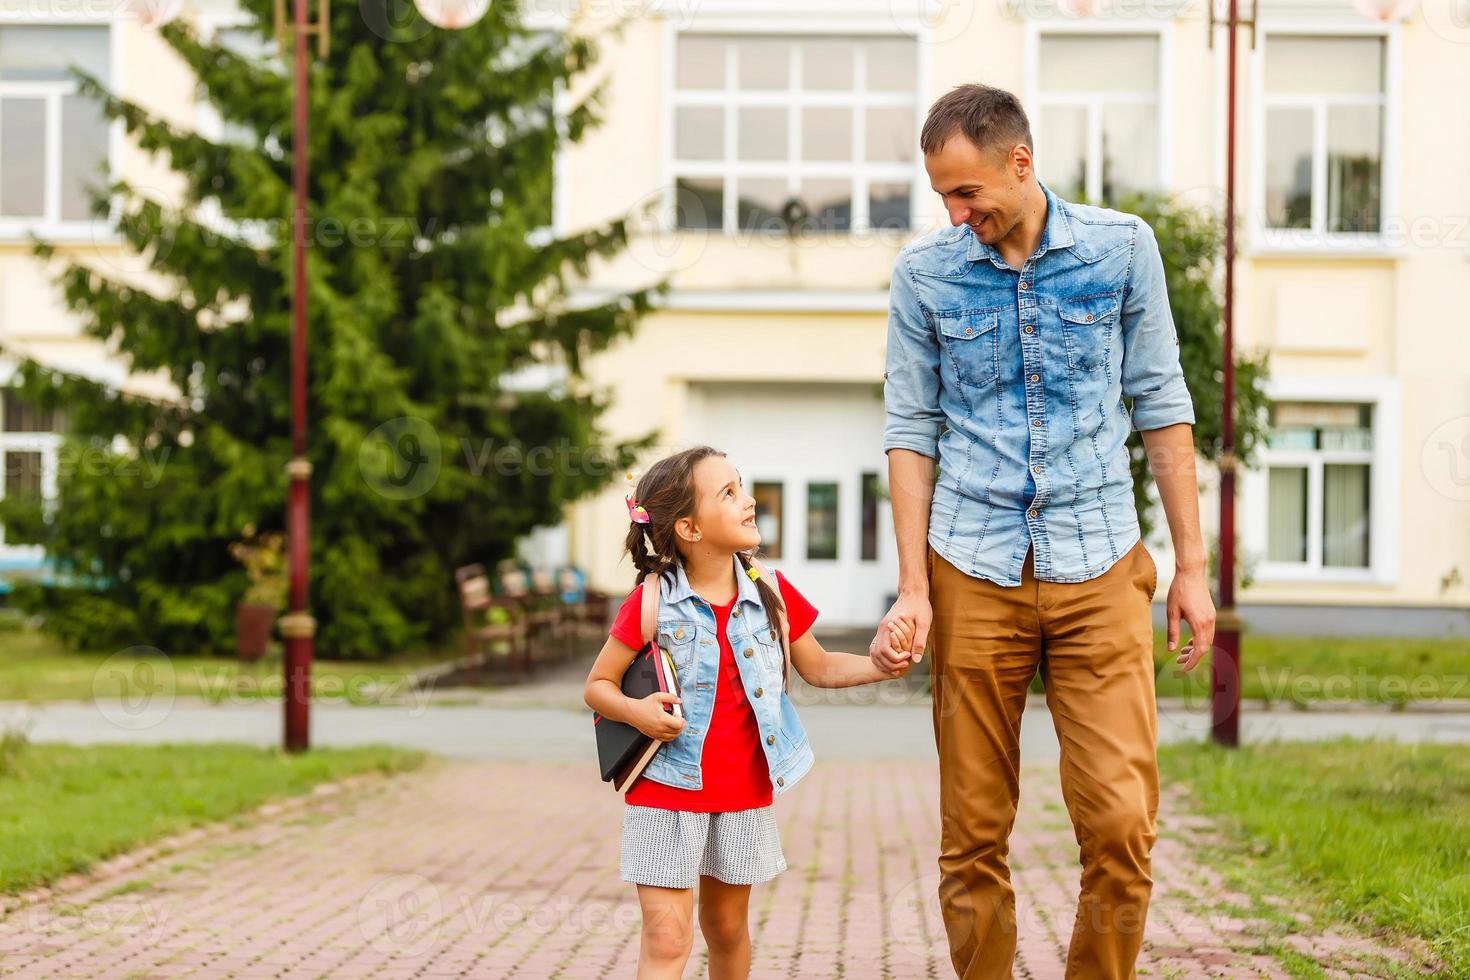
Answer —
1152 376
911 371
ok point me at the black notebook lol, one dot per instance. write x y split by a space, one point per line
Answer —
623 752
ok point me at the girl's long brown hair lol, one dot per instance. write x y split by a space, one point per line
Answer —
666 492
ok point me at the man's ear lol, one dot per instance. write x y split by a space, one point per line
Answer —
1021 161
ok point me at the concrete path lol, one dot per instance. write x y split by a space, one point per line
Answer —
545 720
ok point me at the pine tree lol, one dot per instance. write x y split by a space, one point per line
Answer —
433 285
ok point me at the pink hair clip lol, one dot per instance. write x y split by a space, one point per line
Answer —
636 513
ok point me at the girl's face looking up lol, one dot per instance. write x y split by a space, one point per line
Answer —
724 514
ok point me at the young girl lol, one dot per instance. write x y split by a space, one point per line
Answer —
701 812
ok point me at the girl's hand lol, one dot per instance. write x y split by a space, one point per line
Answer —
650 717
901 631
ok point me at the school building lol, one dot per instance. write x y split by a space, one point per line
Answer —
769 151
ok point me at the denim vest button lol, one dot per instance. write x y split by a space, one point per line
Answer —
780 780
770 740
759 691
749 652
679 634
736 613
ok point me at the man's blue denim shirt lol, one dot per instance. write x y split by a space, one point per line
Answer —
1015 381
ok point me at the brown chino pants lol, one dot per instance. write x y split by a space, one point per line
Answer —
1093 642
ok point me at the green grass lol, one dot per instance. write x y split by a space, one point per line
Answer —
37 668
64 808
1376 834
1300 670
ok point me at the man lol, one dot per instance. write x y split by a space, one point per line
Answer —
1013 340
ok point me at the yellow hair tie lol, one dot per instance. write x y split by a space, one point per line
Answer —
754 573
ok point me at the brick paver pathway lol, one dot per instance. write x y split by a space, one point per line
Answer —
510 870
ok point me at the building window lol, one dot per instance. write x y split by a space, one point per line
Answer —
27 439
768 516
1098 114
1318 479
1324 104
821 521
778 133
871 493
53 141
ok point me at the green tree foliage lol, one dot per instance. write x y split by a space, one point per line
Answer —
437 294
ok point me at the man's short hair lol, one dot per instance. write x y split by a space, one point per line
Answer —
990 118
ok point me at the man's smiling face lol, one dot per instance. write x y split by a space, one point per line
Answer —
984 189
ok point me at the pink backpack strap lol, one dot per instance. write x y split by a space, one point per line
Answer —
649 620
785 627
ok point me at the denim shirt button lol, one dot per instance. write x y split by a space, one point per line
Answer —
1036 423
1025 284
1032 512
1030 329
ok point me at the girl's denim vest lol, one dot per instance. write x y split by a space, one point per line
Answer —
686 629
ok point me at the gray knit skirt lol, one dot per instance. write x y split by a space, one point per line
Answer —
672 848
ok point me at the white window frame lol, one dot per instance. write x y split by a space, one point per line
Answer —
722 20
1382 394
1317 239
1092 101
50 225
48 445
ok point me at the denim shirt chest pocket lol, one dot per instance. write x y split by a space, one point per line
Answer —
971 344
1089 329
683 639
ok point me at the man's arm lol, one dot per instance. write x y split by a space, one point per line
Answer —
1164 413
911 440
1170 452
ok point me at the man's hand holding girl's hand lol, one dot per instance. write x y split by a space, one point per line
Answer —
650 717
899 643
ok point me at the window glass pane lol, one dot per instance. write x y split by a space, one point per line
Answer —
892 135
700 62
1062 154
1286 533
83 155
768 517
871 493
1088 63
827 66
821 521
699 132
759 205
1289 168
22 474
826 134
35 53
1323 65
699 202
1130 149
893 65
22 157
764 64
762 133
19 415
1354 176
1345 515
828 204
888 206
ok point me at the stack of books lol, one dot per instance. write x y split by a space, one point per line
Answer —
623 752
